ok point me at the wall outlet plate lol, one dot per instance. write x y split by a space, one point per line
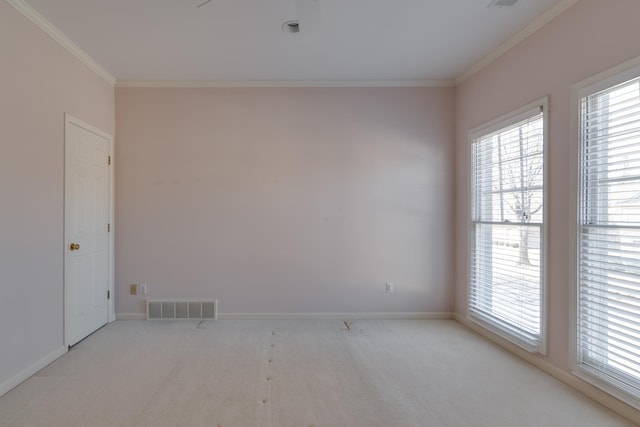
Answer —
389 287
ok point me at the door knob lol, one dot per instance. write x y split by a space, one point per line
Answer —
74 246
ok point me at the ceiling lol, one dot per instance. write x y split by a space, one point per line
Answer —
242 40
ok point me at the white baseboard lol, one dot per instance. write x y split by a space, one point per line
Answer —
314 316
31 370
131 316
338 316
569 379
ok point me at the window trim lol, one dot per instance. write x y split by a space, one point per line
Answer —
601 81
496 124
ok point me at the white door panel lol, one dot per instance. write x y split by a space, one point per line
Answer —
87 210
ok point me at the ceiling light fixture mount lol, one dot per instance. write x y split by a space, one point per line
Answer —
291 26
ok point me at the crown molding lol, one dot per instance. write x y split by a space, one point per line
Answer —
542 20
46 26
283 83
64 41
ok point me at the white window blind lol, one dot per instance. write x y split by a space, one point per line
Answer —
507 205
608 308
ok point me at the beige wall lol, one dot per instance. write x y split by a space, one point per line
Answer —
39 82
588 38
286 200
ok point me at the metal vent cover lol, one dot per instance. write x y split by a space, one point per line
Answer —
182 309
502 3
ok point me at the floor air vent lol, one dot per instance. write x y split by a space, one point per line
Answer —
182 309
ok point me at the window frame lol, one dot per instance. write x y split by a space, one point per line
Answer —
494 125
617 75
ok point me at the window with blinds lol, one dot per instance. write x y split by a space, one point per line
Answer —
506 291
608 297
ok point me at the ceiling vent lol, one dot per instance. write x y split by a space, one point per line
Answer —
502 3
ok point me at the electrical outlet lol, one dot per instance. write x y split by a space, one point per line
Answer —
133 289
389 288
142 289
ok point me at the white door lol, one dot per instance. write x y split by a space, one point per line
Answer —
87 229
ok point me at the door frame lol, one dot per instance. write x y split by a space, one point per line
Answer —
70 120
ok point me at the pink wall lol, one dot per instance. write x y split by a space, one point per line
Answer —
278 200
588 38
39 82
286 200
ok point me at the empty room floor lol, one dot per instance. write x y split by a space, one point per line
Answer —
280 373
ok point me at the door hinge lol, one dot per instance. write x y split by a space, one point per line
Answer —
109 228
109 160
108 294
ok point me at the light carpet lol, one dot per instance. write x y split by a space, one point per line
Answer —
306 373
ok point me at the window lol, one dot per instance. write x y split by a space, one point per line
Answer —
506 283
608 238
